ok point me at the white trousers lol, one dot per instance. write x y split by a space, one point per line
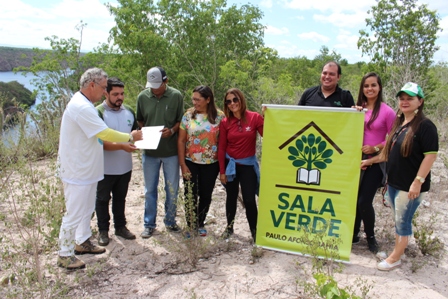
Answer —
79 205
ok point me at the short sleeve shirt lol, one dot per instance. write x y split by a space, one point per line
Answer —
80 154
314 97
202 137
401 171
118 162
164 111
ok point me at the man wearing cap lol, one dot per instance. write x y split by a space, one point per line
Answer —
117 163
328 93
160 105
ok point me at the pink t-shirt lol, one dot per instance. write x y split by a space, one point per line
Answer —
380 127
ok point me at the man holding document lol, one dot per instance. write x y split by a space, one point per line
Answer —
160 105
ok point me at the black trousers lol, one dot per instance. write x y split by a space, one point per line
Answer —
247 178
198 192
118 186
370 182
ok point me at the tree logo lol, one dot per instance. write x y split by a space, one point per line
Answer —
310 151
310 154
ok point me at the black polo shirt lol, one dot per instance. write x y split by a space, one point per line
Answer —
314 97
401 171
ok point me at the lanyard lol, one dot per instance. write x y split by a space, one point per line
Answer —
398 133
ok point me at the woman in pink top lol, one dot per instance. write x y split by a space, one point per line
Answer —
236 155
378 122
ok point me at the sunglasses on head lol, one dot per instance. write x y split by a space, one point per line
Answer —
235 100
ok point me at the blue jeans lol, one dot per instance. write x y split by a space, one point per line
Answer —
404 210
151 171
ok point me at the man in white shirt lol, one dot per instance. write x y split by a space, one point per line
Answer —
80 162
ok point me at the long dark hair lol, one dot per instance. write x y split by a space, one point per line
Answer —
413 126
243 107
212 111
362 99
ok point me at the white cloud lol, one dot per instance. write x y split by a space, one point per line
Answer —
439 5
314 36
347 41
287 49
32 24
444 25
356 20
276 31
331 5
266 3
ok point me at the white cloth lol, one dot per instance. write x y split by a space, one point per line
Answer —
75 227
80 155
118 162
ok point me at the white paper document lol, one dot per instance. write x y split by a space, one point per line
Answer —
151 138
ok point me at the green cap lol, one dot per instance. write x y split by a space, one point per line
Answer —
412 89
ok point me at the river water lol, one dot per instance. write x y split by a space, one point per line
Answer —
26 81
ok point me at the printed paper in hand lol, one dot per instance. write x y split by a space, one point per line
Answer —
151 138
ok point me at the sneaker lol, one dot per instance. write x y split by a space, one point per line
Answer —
174 228
385 266
103 238
355 239
202 232
373 245
70 262
381 255
147 233
124 233
227 233
88 247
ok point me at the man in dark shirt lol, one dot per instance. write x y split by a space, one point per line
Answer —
328 93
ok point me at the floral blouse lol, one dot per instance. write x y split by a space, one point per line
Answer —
202 137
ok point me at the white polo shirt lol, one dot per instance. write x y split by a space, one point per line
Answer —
80 154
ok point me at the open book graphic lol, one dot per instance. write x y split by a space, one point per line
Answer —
308 176
151 138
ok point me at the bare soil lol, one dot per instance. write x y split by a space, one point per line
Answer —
169 266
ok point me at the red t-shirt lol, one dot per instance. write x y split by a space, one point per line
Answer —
238 138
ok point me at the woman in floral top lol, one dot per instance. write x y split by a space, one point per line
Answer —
198 156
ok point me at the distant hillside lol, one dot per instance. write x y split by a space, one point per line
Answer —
14 57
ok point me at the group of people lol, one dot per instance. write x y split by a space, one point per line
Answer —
95 158
205 141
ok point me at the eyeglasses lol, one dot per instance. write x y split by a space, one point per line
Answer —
196 99
105 88
235 100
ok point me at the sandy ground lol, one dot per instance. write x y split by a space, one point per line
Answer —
168 266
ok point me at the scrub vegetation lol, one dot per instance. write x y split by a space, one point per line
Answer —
222 47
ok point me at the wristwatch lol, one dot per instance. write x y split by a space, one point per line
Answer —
376 148
172 131
131 138
420 179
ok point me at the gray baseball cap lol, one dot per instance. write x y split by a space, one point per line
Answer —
155 77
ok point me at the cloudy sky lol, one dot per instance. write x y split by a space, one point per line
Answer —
293 27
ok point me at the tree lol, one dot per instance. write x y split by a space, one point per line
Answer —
400 41
191 39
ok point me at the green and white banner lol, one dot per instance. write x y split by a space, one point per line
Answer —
309 179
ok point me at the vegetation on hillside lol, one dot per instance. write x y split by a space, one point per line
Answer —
11 58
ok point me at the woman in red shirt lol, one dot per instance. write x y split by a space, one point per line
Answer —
238 164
